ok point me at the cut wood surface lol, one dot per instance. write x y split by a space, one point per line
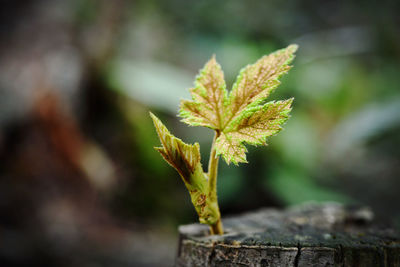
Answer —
326 234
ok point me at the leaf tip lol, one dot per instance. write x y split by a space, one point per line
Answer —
293 48
153 117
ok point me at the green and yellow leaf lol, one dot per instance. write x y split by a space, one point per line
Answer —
209 98
242 117
183 157
248 120
253 127
256 82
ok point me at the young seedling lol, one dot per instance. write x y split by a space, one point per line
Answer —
242 116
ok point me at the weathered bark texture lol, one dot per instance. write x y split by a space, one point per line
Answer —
309 235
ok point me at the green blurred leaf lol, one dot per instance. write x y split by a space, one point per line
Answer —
292 186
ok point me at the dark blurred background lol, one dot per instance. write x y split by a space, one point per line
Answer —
80 183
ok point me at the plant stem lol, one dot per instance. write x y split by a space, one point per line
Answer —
216 228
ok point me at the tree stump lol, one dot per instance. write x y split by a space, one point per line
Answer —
326 234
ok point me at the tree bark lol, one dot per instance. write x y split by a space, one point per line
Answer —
309 235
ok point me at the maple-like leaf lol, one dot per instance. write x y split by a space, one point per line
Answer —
253 127
241 117
256 82
209 98
183 157
249 119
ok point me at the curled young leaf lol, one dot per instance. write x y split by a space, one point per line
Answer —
183 157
